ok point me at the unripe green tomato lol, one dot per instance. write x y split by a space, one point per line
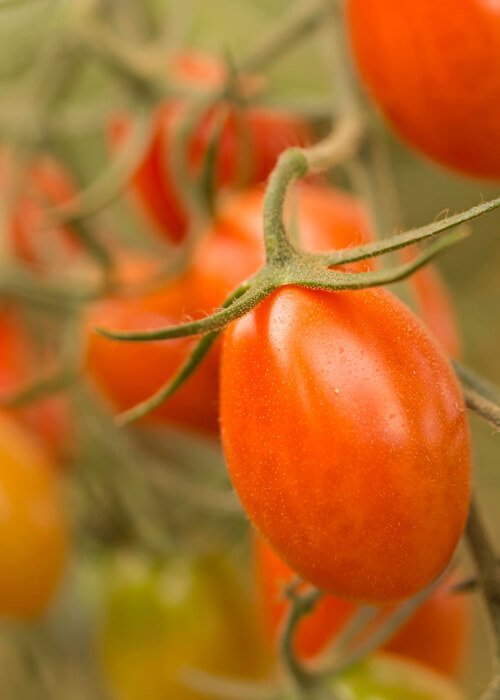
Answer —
161 622
387 677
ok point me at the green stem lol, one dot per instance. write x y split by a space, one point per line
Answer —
242 304
307 276
384 632
291 166
110 183
481 385
47 386
486 409
407 238
301 604
165 392
301 20
484 556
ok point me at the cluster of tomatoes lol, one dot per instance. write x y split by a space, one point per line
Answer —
341 420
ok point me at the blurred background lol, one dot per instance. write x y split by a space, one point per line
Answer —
141 497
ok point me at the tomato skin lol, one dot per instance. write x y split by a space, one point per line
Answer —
232 250
128 373
33 528
190 614
434 305
340 417
436 635
327 219
46 184
431 68
250 140
388 677
50 417
317 629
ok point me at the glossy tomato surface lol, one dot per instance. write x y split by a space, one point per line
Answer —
345 431
436 635
160 623
324 218
250 142
432 69
386 677
232 250
33 528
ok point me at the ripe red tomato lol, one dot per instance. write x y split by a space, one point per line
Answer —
434 306
436 635
327 219
431 68
388 677
33 529
50 417
45 184
346 438
251 140
128 373
188 614
228 254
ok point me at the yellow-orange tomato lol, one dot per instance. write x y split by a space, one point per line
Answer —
432 68
436 635
160 623
346 438
33 529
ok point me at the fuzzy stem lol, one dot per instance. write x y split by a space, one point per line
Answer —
483 553
291 166
216 322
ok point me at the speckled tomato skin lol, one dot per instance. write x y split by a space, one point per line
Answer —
432 67
346 438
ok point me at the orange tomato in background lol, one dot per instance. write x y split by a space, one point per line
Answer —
431 67
341 416
250 142
436 635
44 184
50 417
33 526
229 252
129 372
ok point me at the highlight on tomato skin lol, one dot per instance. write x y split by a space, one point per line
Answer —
250 142
330 430
187 614
33 526
437 635
229 252
431 69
